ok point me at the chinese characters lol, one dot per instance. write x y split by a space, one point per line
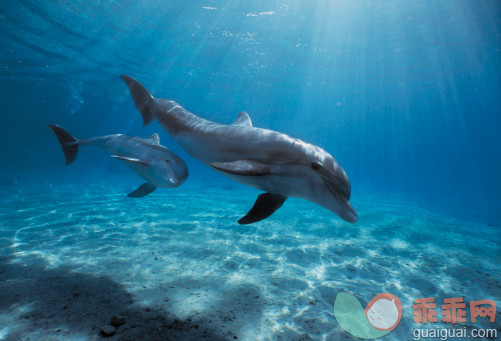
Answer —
453 310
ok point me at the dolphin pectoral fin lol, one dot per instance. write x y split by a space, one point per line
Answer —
142 191
265 205
246 167
243 119
131 160
141 97
154 138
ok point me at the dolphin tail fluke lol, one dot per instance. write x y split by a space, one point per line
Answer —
142 98
68 143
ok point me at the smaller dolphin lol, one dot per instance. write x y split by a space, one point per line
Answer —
146 157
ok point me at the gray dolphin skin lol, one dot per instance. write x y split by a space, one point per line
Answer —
264 159
146 157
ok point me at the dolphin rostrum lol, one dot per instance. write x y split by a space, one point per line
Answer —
268 160
146 157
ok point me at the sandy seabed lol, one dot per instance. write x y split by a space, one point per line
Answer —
176 266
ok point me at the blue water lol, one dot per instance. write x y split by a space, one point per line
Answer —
405 95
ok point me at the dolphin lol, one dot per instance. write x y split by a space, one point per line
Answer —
264 159
146 157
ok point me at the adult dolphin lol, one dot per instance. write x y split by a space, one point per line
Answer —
268 160
146 157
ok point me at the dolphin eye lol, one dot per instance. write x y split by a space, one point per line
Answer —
167 160
315 166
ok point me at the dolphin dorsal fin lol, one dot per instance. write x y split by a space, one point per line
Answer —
154 138
243 119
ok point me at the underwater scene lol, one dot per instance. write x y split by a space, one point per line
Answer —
250 170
